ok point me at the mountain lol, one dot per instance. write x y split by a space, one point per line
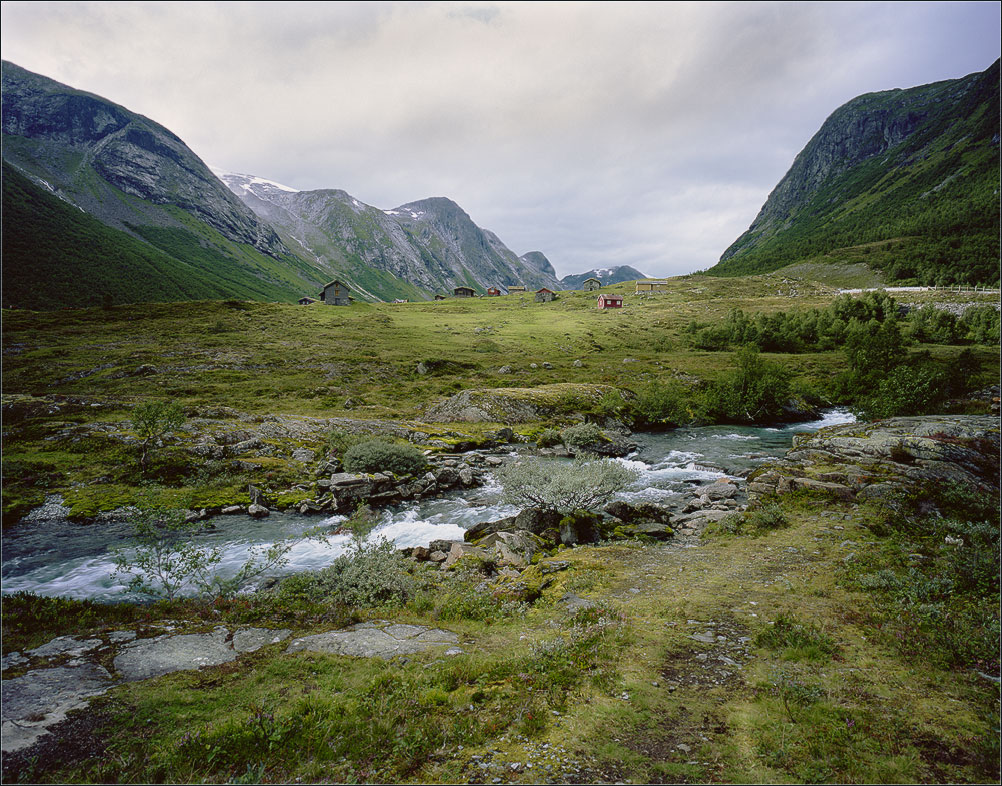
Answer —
159 207
609 275
537 261
413 250
904 180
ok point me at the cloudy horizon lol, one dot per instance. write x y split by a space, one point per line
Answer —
643 134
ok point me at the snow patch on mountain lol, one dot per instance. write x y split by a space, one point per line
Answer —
247 183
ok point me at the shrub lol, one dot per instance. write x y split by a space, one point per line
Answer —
765 518
372 575
582 435
152 421
166 562
548 437
564 487
376 455
669 403
755 391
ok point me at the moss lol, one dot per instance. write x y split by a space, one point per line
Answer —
86 502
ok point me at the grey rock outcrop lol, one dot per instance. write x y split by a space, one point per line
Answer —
880 459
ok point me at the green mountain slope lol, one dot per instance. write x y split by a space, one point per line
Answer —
98 159
57 256
906 181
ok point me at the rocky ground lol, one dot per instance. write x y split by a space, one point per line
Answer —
695 607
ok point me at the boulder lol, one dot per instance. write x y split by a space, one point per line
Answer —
642 511
579 528
258 511
460 551
512 549
721 489
535 520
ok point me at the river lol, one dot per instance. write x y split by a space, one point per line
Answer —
57 557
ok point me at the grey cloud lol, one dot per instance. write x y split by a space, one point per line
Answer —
629 133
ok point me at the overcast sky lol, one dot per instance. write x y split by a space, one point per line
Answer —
601 134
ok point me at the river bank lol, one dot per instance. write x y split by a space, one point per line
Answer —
772 649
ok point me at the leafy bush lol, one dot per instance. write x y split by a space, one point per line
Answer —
564 487
755 391
548 438
981 325
372 575
152 421
376 455
581 436
165 561
669 403
473 601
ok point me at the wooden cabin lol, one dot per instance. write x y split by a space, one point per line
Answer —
651 285
493 292
610 301
591 284
336 294
439 297
307 301
464 292
515 289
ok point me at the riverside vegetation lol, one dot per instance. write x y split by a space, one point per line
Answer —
810 638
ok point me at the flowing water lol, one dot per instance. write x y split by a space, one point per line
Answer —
57 557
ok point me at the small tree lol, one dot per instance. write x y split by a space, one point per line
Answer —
564 487
152 421
165 560
359 524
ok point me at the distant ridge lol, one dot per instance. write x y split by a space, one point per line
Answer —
609 275
906 181
168 229
413 250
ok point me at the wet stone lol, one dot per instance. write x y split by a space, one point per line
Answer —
368 640
65 645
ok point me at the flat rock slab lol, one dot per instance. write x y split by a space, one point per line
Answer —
41 698
148 658
251 639
65 645
374 640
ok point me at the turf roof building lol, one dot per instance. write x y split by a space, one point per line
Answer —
336 294
591 284
464 292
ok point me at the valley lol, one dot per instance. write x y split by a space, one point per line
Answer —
764 632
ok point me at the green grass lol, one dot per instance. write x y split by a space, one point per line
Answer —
825 694
273 359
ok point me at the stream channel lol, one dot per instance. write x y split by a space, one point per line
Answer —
50 555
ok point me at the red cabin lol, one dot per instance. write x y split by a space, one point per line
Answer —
610 301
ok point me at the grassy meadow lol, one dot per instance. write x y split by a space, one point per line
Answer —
804 669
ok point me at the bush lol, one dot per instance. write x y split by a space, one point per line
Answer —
754 392
565 487
582 435
800 640
672 403
376 455
152 421
372 575
548 438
